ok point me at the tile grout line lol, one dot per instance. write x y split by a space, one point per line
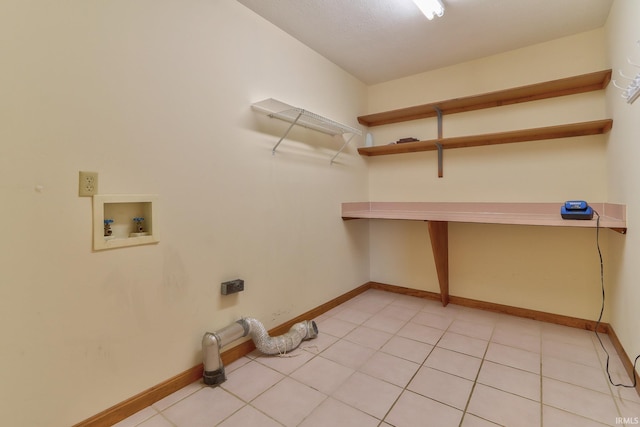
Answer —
541 383
357 370
404 389
435 345
354 370
327 396
475 381
166 419
601 369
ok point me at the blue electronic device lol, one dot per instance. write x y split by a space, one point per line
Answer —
576 209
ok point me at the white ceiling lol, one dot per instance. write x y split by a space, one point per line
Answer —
381 40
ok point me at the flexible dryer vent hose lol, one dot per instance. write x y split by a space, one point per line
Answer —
212 342
283 343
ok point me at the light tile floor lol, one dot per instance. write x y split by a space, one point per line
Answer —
383 359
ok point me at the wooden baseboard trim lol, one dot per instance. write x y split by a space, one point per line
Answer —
624 357
405 291
542 316
140 401
148 397
574 322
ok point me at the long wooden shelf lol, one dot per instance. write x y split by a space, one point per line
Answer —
544 214
536 134
438 216
562 87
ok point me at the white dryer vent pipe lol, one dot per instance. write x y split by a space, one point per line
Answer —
212 342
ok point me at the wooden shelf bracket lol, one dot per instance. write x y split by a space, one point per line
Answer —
439 235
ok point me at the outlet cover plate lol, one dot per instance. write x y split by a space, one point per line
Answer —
87 184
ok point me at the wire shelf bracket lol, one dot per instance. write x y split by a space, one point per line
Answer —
301 117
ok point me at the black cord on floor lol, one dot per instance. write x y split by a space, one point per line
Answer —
602 311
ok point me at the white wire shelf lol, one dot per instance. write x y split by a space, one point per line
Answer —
301 117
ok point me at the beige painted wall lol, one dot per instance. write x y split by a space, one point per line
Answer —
155 96
549 269
623 175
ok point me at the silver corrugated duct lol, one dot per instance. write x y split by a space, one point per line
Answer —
212 342
283 343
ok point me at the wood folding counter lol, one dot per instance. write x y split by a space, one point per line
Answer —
438 216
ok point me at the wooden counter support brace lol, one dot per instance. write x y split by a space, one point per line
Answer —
438 232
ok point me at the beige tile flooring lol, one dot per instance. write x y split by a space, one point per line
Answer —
383 359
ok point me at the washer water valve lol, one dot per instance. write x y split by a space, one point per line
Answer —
138 228
107 227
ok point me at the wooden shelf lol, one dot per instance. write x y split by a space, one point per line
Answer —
545 214
562 87
438 216
536 134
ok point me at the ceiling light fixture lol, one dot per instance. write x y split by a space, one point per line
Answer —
430 8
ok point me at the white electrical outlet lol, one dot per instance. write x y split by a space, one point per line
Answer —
88 184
